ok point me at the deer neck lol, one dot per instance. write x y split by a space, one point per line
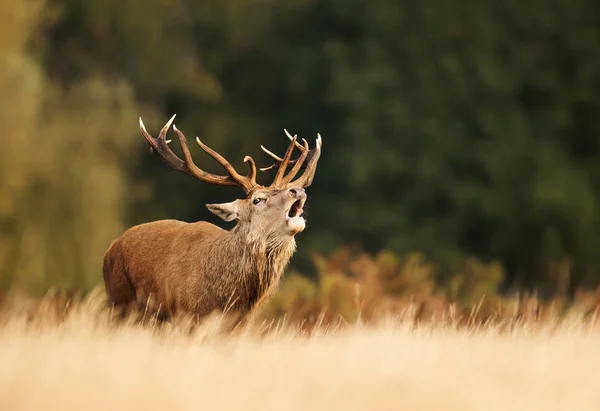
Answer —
263 257
248 267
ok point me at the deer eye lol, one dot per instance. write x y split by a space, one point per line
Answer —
258 200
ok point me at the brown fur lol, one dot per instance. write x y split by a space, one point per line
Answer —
198 268
168 265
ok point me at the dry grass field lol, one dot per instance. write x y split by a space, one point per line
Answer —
80 361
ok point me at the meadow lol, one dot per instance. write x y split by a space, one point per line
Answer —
465 132
68 354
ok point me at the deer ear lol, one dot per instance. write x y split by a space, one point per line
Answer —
227 211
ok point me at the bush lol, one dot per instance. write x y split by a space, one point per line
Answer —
354 286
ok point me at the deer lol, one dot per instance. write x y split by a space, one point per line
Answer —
198 268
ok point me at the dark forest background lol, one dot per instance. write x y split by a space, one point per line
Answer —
464 131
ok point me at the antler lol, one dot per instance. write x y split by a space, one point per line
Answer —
310 156
160 146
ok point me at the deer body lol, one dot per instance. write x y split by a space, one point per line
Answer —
169 266
200 268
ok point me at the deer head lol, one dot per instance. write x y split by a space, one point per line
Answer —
270 211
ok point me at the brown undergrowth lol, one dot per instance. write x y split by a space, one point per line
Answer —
370 333
66 353
356 288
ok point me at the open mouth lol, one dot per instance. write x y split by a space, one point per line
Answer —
295 210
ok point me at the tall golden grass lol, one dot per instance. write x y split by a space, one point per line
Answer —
368 333
68 354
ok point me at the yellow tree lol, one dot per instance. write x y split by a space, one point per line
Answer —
63 186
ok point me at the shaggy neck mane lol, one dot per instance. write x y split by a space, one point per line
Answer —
258 262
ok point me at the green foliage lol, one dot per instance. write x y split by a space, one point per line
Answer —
466 131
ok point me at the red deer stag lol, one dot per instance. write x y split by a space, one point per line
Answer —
198 268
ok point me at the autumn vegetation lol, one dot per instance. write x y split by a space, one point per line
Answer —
452 226
67 354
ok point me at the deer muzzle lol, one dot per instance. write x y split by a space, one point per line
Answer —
293 214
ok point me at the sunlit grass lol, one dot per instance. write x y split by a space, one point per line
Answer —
73 356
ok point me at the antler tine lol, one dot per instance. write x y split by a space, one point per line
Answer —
277 182
299 162
292 139
198 172
307 177
160 146
245 182
252 173
278 160
308 160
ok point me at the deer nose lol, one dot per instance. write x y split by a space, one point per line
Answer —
298 193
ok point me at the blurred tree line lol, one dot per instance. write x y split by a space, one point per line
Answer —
461 130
